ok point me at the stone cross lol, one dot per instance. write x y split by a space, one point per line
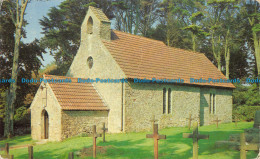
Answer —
153 120
257 119
195 136
244 147
217 121
95 135
156 137
190 119
104 131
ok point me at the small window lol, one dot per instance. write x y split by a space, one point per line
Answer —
169 101
164 100
90 62
90 26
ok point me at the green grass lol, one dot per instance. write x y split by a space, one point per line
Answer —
136 146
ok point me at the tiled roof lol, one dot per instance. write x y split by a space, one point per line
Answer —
99 13
141 57
76 96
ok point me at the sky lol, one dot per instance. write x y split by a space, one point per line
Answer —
34 12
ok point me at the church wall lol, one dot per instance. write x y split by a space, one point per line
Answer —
54 113
223 105
142 101
104 67
78 122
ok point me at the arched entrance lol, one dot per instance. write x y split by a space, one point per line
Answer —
45 124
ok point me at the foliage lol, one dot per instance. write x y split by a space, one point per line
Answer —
29 61
245 95
22 116
135 145
245 113
61 29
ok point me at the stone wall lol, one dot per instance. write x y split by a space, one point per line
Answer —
145 100
142 101
223 105
54 112
78 122
104 66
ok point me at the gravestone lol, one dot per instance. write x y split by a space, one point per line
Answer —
257 119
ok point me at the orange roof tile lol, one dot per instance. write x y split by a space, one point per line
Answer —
145 58
76 96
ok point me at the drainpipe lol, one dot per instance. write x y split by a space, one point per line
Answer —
122 109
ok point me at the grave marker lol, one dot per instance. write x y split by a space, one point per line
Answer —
216 121
196 137
71 155
153 120
244 147
95 136
30 151
189 123
235 120
104 131
257 119
156 137
7 148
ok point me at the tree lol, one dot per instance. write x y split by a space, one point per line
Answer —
252 14
181 20
61 29
29 61
17 12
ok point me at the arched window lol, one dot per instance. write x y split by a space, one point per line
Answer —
169 101
164 100
90 62
90 26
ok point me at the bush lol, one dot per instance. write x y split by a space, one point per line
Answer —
245 113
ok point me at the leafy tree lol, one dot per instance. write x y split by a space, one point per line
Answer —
181 20
29 55
61 29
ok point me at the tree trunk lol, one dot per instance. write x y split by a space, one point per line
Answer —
257 55
11 96
12 91
227 63
193 42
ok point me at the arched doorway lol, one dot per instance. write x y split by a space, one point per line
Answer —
45 123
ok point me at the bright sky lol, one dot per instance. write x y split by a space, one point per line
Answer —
34 12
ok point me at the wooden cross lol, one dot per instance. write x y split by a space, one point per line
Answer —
156 137
195 136
190 119
104 131
217 121
235 120
95 135
30 151
7 148
153 120
244 147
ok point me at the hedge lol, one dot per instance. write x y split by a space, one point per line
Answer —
245 113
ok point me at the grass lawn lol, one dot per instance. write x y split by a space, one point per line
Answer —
136 146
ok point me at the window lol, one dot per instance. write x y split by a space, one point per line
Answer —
90 26
169 101
164 100
212 103
90 62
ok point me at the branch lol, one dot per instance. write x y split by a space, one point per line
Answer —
24 5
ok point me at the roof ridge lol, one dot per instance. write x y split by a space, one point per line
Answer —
139 36
63 76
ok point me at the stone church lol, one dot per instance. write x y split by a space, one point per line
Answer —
121 95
